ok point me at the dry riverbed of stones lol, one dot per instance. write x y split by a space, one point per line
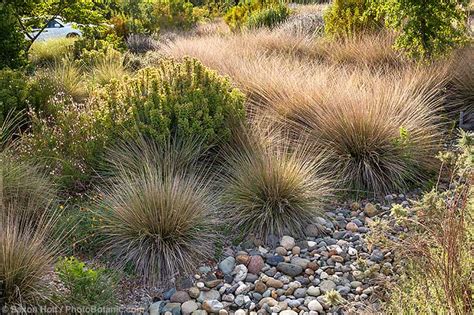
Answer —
332 270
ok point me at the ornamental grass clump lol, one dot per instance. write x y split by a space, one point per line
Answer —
157 216
22 183
269 189
382 137
26 258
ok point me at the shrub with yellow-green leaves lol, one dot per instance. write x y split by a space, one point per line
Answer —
348 18
268 17
183 99
257 12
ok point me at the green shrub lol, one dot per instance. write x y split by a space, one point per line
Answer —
18 93
426 31
174 14
70 141
348 18
86 286
237 16
156 210
12 40
97 38
182 99
13 92
268 17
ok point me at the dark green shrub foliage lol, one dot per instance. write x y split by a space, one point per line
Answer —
178 99
348 17
268 17
12 41
13 92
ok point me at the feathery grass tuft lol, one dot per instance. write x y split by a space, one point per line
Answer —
44 53
381 137
270 190
22 183
68 77
108 67
26 258
156 216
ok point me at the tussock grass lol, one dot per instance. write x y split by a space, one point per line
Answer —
461 87
47 52
156 214
382 137
26 257
270 189
68 77
138 43
383 110
24 187
109 67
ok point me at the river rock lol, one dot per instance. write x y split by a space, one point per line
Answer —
212 306
188 307
180 297
287 242
227 265
256 264
290 269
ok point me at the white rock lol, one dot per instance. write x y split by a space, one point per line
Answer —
188 307
312 243
287 242
288 312
240 273
313 291
352 251
314 305
241 289
212 306
240 312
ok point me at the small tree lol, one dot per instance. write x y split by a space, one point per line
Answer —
31 14
12 41
428 28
